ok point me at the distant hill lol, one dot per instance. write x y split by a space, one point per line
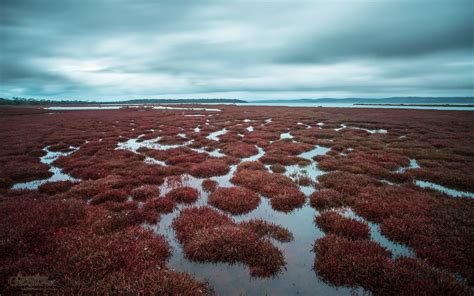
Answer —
35 102
392 100
31 101
180 101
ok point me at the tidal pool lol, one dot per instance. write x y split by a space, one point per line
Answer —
215 135
412 165
58 174
286 136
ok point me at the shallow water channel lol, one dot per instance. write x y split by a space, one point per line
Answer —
58 174
298 277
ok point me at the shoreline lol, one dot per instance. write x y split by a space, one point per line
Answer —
415 105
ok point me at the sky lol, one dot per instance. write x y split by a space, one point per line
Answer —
107 50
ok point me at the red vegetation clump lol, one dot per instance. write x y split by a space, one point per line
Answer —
87 189
209 185
327 199
312 134
263 182
288 147
98 257
361 161
91 162
210 168
172 140
377 164
108 222
303 180
288 199
239 149
37 153
60 147
64 241
278 168
179 156
235 244
210 236
251 165
116 195
145 192
284 152
183 194
364 263
345 262
202 142
235 200
262 229
162 205
132 254
409 276
281 190
5 183
419 219
55 187
281 158
380 203
120 206
261 138
155 281
24 171
346 183
194 219
175 181
333 222
456 178
230 160
149 179
25 223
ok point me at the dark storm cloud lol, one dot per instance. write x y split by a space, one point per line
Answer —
392 29
109 49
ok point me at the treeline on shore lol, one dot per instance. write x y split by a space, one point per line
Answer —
34 102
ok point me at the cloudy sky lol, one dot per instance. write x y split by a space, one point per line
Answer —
104 49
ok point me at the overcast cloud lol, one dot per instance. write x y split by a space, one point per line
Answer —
236 49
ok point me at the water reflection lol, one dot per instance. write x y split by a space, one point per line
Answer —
396 249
